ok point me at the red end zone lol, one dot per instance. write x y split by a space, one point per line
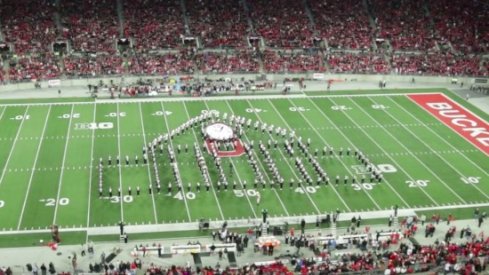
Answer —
471 127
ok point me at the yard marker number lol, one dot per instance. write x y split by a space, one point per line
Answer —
117 199
254 110
298 109
365 186
379 107
188 195
308 189
470 180
339 108
115 114
2 203
21 117
417 183
162 113
212 112
68 116
249 192
52 201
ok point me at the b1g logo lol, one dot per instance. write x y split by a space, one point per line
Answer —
94 126
384 168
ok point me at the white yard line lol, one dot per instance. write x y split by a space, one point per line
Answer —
382 149
353 146
235 171
338 158
91 170
444 160
245 193
176 99
120 160
149 171
261 165
440 137
13 147
27 192
3 112
176 162
410 153
291 168
63 165
208 175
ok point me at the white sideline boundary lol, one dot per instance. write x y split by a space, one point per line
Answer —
211 98
216 224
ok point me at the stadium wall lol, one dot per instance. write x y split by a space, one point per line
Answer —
83 82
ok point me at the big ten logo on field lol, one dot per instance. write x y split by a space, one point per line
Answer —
94 126
384 168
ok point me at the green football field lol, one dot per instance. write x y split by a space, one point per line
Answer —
49 155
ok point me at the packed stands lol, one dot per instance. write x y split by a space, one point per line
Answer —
344 24
33 68
408 64
275 267
464 25
295 62
2 74
358 63
283 23
432 38
90 25
154 24
437 64
404 23
219 23
28 25
93 65
169 63
450 65
237 62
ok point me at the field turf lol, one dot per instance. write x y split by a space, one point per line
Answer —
49 155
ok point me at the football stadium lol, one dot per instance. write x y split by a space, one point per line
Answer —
244 137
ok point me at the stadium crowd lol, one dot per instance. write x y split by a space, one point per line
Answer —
91 26
153 26
377 36
219 23
404 23
344 24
